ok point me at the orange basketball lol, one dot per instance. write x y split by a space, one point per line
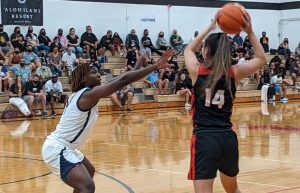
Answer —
230 18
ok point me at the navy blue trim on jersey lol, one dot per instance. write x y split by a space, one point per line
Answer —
88 89
84 126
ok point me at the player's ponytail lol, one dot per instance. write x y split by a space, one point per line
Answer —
219 54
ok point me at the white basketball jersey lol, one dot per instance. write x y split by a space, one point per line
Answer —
75 125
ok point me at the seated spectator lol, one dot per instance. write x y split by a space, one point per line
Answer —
183 88
267 90
54 90
297 51
282 70
277 82
6 47
132 41
295 71
16 91
73 41
131 58
247 44
162 42
276 61
15 57
167 78
119 44
153 81
264 41
89 39
244 59
177 42
68 61
55 62
283 48
44 41
31 59
106 43
237 40
45 73
147 46
196 33
5 79
121 96
34 94
62 39
32 40
173 60
17 39
85 57
56 43
23 71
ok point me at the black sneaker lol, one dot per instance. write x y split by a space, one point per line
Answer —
129 109
53 114
44 114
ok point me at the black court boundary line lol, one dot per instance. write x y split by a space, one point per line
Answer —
118 181
35 177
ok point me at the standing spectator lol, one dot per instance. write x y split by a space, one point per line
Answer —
264 41
16 91
88 38
283 48
148 47
177 42
5 78
23 71
54 92
132 40
34 94
183 88
106 43
32 40
131 58
62 39
68 61
121 96
55 62
56 43
17 39
31 59
44 41
238 40
119 44
162 42
6 47
73 41
297 51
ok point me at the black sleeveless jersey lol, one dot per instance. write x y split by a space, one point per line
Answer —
212 111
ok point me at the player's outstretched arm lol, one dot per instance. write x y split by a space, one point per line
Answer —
89 99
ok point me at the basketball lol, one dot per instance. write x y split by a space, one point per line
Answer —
230 18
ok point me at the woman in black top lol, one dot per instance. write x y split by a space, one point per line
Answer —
17 39
56 43
44 41
183 88
73 41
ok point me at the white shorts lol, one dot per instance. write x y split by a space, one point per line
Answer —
60 158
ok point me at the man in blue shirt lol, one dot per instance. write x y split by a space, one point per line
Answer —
237 39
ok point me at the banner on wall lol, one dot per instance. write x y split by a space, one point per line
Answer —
148 20
22 12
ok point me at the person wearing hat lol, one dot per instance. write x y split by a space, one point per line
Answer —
6 47
54 90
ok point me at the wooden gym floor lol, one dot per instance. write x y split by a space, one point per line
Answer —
148 151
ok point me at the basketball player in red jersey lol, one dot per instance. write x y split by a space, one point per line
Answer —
214 145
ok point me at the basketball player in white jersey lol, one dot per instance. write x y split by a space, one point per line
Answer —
60 148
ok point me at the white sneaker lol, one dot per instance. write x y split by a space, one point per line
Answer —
187 106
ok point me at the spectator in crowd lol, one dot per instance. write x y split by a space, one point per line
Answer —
132 40
68 61
17 39
34 94
244 59
54 90
85 57
55 62
297 51
62 38
237 40
196 33
173 60
283 48
32 40
23 71
166 79
44 41
279 86
276 61
121 96
6 47
31 59
106 43
16 91
264 41
73 41
147 45
153 81
119 44
131 58
183 88
267 89
15 57
295 71
88 38
56 43
162 42
45 73
5 79
177 42
247 44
